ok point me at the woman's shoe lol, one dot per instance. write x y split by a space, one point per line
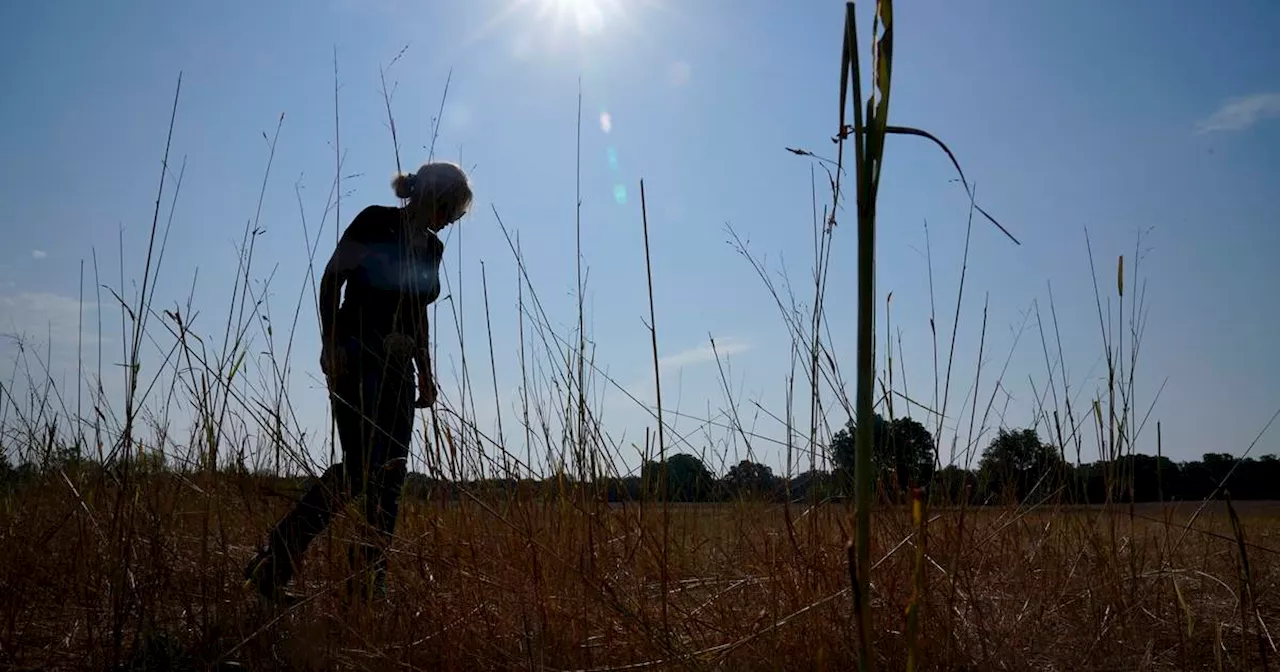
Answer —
267 576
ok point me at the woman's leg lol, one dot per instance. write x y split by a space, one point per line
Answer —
393 419
273 567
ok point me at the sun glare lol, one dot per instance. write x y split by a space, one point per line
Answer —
587 16
555 25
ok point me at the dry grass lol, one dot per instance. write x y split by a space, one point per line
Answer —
136 567
112 577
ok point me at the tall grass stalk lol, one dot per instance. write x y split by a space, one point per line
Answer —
863 170
657 392
868 132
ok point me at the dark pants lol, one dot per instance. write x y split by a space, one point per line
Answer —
373 409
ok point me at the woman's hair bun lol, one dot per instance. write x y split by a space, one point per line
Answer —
404 185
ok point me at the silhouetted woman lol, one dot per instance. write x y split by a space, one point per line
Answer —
388 259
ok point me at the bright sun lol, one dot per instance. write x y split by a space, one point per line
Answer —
585 15
554 20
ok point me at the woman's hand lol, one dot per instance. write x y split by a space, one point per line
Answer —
333 360
426 389
422 358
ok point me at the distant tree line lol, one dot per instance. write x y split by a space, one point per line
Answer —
1015 466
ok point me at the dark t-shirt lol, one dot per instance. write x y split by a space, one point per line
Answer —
396 280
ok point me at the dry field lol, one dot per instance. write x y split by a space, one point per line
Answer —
147 577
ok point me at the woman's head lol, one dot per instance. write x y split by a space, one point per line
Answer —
438 194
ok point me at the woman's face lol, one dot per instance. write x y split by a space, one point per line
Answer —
427 218
435 224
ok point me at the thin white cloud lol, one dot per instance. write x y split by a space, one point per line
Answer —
41 315
704 353
39 254
1237 114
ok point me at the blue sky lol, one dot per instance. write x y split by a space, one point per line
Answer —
1164 120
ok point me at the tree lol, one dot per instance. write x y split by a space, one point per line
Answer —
954 484
7 472
749 478
688 479
1015 461
1260 481
815 485
904 451
1146 477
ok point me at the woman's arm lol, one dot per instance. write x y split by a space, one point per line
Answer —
422 342
330 286
349 254
422 359
346 257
